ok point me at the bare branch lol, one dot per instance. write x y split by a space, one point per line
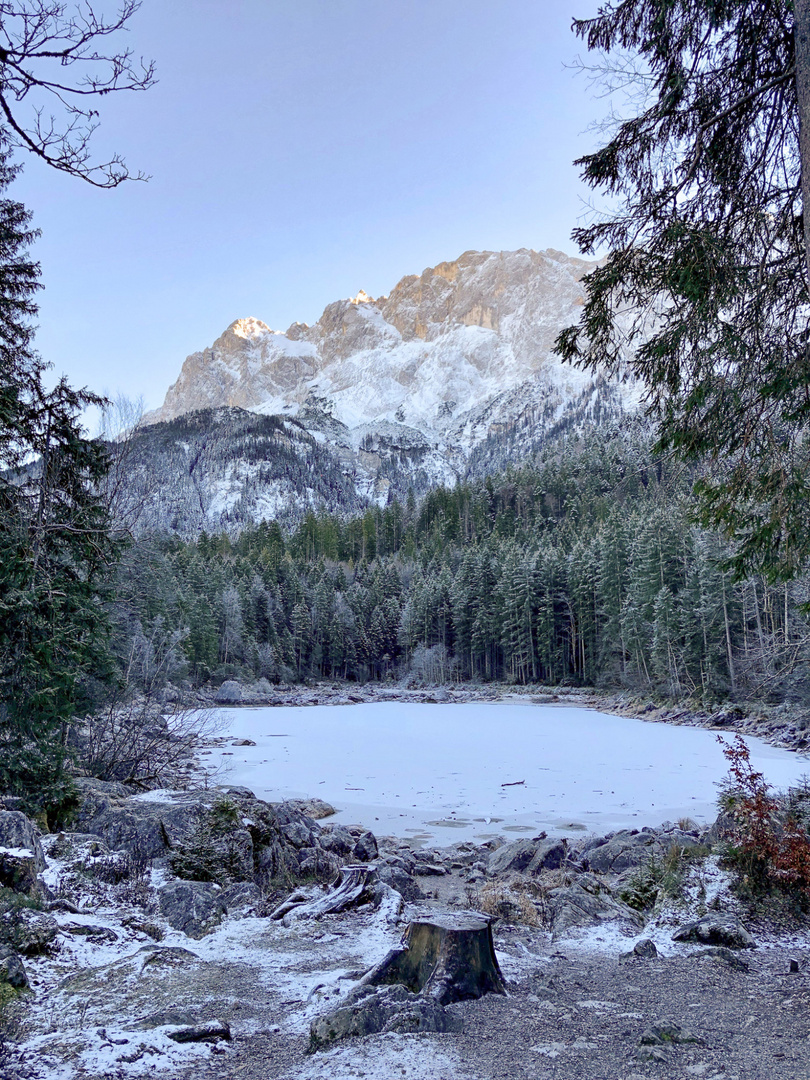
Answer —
54 118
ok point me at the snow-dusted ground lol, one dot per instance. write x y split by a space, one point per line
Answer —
472 771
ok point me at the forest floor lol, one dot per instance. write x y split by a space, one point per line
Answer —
577 1008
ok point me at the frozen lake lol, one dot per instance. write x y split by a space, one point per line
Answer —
441 773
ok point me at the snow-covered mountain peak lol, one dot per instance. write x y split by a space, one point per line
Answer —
249 328
453 374
458 352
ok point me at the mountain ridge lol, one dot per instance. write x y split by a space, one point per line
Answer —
453 370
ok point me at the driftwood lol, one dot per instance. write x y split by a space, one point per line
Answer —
445 957
356 885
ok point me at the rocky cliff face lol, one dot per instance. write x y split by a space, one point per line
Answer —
435 355
452 372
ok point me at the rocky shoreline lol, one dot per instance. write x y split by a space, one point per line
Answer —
143 940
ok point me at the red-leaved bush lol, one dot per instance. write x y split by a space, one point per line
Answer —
767 844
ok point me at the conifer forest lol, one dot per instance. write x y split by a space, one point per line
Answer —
587 566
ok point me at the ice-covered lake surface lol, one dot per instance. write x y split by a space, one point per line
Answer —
442 773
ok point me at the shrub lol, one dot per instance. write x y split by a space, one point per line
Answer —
660 877
209 853
767 843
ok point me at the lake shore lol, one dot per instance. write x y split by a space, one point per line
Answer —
784 725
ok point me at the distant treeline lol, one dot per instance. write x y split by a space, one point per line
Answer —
586 567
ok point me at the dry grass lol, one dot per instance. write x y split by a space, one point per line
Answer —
519 902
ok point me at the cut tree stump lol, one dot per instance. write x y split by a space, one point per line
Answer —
357 883
446 957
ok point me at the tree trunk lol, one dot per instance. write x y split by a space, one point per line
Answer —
446 957
802 44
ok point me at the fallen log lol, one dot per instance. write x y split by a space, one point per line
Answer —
357 884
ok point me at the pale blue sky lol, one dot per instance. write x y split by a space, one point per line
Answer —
300 152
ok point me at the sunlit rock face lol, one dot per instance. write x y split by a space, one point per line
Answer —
450 376
443 354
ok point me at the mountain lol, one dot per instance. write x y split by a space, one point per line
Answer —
450 374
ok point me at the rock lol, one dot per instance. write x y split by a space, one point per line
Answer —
90 787
29 932
21 855
12 971
314 862
515 856
229 693
384 1009
716 929
314 808
242 898
660 1055
529 856
666 1033
147 827
623 850
336 838
212 1031
423 868
642 950
365 848
398 878
297 833
723 827
195 907
97 935
243 742
574 907
548 855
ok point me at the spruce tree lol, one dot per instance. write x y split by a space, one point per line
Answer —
55 537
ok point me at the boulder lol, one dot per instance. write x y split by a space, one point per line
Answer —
298 834
150 826
21 856
29 932
665 1033
336 838
313 808
12 971
642 950
625 849
716 929
230 693
242 898
369 1010
515 856
574 907
527 856
195 907
365 849
395 875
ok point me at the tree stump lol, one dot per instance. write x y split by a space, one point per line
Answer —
357 882
446 957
